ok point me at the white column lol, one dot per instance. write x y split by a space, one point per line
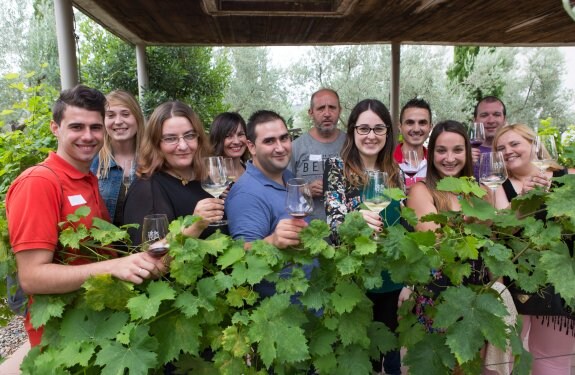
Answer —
142 69
395 67
66 43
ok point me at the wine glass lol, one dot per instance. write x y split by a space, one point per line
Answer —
476 134
299 201
215 182
410 166
127 173
230 168
492 171
154 229
543 152
373 194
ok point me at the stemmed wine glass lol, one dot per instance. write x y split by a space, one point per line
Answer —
492 171
373 194
543 152
230 168
215 182
410 166
299 201
154 229
127 173
476 134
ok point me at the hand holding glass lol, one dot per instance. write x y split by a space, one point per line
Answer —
544 152
373 195
154 229
299 201
215 181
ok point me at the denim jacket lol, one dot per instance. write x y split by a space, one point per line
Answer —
110 187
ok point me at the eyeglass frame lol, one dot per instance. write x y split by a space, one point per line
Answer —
179 137
380 126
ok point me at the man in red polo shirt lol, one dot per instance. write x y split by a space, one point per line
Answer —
414 126
43 195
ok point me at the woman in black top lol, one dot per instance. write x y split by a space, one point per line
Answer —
169 172
549 346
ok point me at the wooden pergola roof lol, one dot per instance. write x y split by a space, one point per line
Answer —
311 22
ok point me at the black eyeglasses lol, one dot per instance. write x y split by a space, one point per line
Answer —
175 139
377 129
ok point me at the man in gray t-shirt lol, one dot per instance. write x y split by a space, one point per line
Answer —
323 141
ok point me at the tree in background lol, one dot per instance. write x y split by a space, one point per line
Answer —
189 74
254 83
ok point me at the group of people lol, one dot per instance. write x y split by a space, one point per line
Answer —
104 141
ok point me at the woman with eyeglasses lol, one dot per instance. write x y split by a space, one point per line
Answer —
169 172
368 146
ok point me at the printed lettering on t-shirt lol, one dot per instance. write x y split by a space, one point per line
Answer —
76 200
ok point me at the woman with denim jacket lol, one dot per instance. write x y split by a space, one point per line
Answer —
115 165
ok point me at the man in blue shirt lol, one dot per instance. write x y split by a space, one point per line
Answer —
255 206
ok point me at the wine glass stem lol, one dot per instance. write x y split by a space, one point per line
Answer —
494 197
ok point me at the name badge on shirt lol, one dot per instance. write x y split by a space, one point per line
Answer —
315 157
76 200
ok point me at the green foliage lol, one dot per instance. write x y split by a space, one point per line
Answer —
209 300
189 74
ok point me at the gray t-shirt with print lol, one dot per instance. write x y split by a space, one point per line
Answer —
308 159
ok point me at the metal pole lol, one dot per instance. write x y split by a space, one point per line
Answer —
395 67
66 43
142 69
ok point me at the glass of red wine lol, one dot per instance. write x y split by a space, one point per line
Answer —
410 166
154 231
299 201
476 134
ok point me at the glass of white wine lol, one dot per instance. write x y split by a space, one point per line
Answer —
215 182
374 194
127 173
492 171
299 201
230 167
543 152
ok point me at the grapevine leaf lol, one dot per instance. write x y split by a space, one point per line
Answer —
138 357
313 236
87 325
105 233
82 211
558 263
188 303
353 226
477 208
146 306
470 320
315 297
462 185
560 202
381 338
235 341
542 234
72 237
430 356
353 326
530 276
325 364
269 253
103 291
236 296
497 259
456 272
353 359
296 283
175 333
46 306
77 352
252 270
364 246
279 338
346 296
225 364
230 256
411 331
321 342
348 265
213 245
46 362
409 215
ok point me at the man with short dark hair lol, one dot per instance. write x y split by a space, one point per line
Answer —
414 125
323 141
43 196
255 205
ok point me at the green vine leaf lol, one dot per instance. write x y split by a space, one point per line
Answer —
558 263
105 291
176 332
346 296
313 236
230 256
430 355
98 327
137 358
45 307
146 306
463 185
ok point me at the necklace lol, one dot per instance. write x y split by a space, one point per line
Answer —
184 181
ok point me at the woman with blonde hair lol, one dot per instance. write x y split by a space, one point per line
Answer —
170 170
548 339
115 162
